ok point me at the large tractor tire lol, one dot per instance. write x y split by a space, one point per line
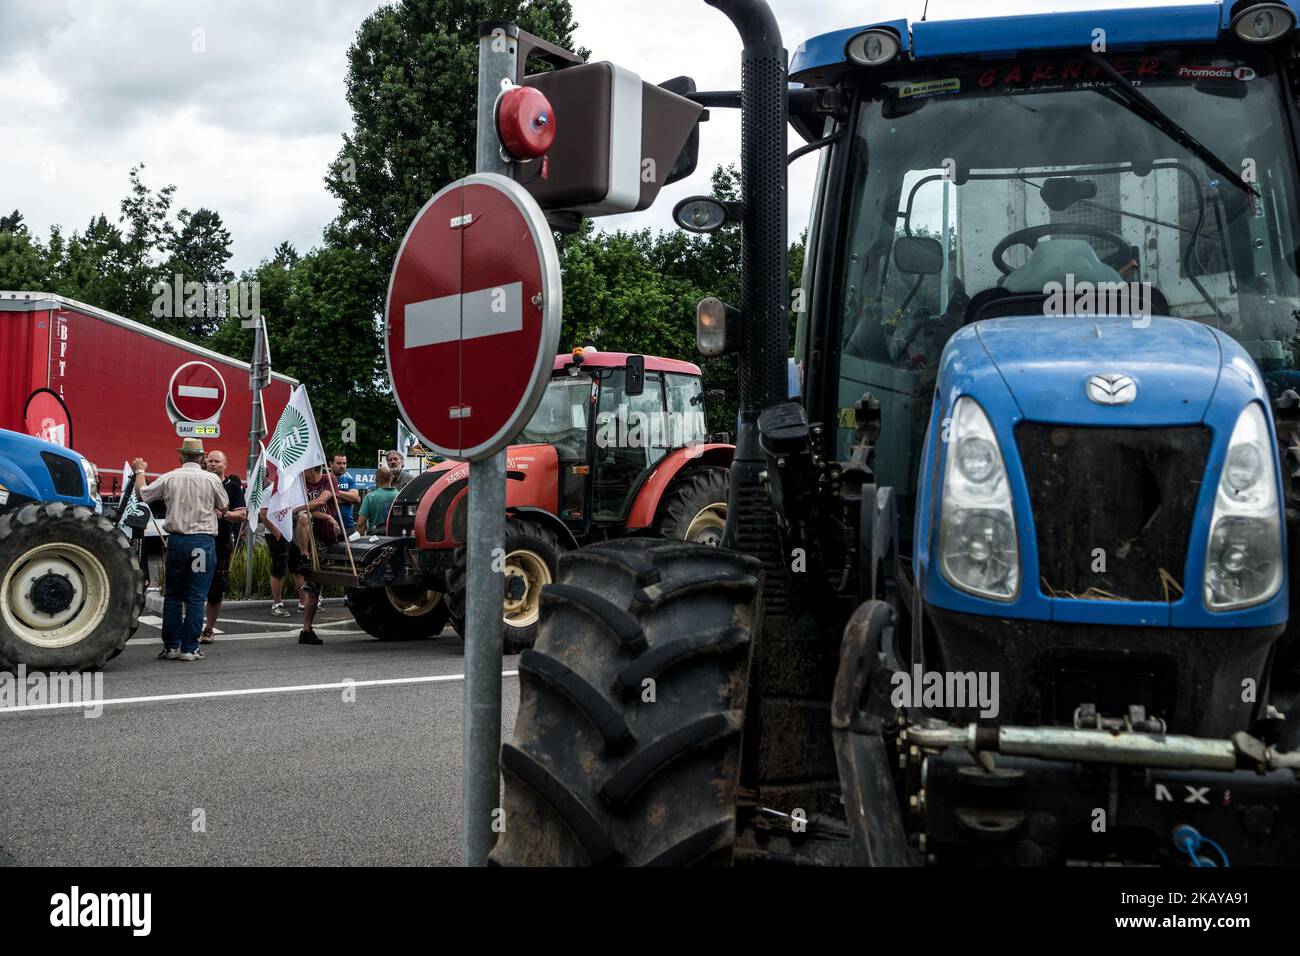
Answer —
70 591
694 507
627 745
532 554
398 613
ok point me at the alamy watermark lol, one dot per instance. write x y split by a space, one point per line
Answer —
59 688
657 429
177 299
124 910
950 690
1098 298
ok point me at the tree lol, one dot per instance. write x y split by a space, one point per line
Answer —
24 263
146 242
412 86
322 333
200 252
637 292
94 268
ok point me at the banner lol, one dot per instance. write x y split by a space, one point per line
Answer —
289 495
258 491
295 446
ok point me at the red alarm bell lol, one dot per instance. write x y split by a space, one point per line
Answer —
525 123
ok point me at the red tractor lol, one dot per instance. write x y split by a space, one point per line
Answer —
617 447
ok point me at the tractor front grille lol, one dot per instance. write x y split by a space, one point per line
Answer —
1113 507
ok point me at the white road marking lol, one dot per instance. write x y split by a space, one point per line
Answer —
283 632
246 692
152 620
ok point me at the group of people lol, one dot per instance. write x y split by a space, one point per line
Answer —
205 509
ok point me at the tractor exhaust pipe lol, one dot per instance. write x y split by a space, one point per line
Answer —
764 282
764 270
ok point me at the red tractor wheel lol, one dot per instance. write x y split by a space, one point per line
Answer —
532 554
694 508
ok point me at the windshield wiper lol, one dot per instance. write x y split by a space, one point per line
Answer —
1139 104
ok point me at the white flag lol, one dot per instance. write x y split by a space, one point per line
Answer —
289 494
295 446
258 491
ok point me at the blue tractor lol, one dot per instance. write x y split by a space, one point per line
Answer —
1009 581
70 591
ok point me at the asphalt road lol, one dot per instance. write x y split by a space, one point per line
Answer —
298 777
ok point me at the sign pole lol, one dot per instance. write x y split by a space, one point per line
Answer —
485 586
476 291
256 432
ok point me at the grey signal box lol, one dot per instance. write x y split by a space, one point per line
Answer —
618 140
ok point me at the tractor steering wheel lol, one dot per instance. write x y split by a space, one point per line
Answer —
1030 235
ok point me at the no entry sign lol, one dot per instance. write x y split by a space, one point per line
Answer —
196 394
472 318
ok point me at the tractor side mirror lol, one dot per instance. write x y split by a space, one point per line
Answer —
634 376
918 255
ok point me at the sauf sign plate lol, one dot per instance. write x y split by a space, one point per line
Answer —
472 318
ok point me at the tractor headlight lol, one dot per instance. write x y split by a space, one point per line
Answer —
1243 560
92 482
977 525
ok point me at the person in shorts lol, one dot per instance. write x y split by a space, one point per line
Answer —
284 555
316 520
227 531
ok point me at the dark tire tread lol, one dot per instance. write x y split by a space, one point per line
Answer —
600 774
604 715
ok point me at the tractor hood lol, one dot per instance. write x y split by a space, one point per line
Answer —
1173 366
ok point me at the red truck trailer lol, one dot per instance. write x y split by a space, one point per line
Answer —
100 383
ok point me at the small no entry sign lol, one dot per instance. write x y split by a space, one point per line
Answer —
197 393
472 318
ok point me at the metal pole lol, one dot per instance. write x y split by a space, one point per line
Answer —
255 434
943 276
485 585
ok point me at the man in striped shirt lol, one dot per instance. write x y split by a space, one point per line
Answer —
195 501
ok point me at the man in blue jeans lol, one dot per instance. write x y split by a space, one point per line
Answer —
195 499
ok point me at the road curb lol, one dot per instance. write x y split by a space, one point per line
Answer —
153 601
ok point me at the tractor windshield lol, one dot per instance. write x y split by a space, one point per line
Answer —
561 418
1024 186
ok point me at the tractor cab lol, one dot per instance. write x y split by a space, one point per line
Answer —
612 418
1057 185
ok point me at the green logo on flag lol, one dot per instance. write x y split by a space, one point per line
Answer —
291 437
257 487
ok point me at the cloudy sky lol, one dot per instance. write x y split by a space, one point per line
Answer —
240 104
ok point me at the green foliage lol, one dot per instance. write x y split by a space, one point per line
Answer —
261 573
637 292
322 332
412 86
200 253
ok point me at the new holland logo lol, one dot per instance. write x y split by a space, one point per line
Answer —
1111 389
291 437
